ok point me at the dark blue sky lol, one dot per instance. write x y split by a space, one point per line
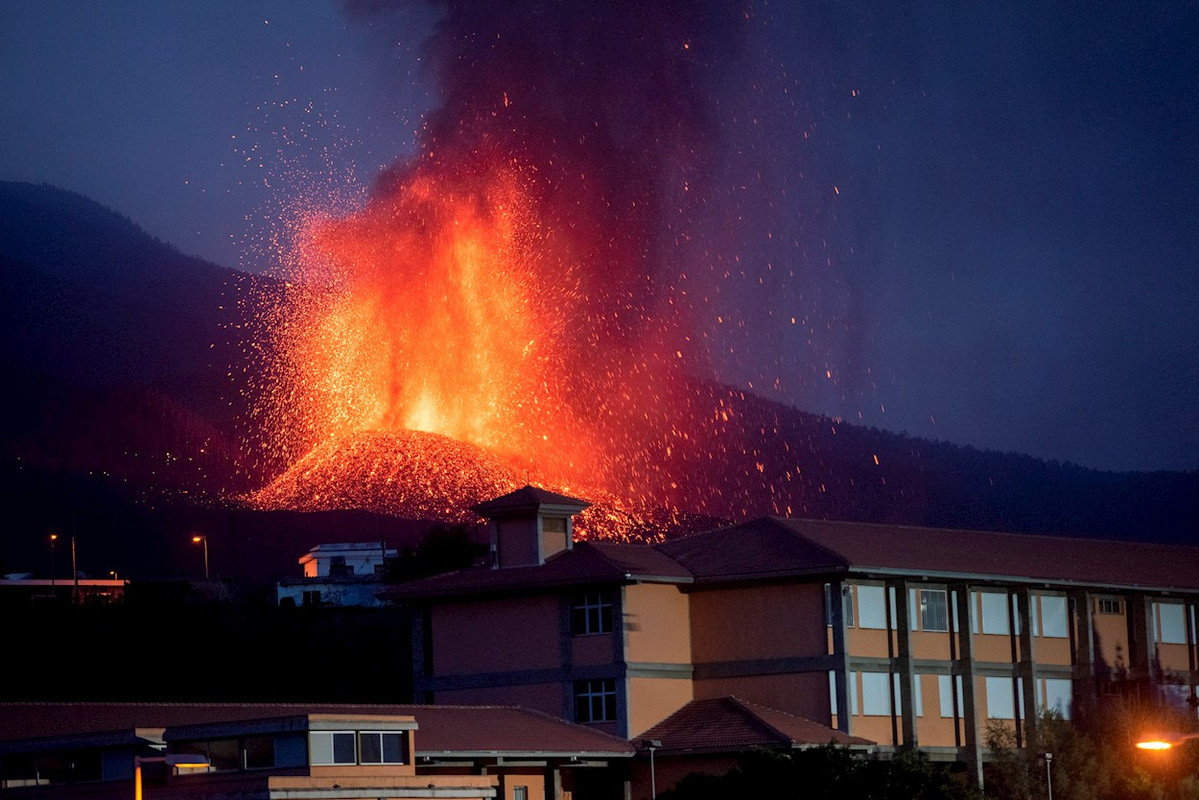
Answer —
1002 198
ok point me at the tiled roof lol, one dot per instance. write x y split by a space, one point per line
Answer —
730 725
442 730
1009 555
528 498
773 546
754 549
585 562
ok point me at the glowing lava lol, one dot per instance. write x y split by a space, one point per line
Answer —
515 287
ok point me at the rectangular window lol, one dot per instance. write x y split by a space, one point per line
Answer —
1000 700
1171 623
1109 605
1057 696
332 747
595 700
591 612
945 684
872 607
994 612
934 610
520 793
876 694
381 747
917 695
1054 619
846 605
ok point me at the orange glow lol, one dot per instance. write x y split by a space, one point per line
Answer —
1154 744
492 318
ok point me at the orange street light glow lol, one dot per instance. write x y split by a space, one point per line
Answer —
1155 744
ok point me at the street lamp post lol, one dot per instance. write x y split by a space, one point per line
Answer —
53 539
204 541
652 745
179 761
1049 774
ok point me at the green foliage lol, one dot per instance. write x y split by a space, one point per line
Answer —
826 773
1093 760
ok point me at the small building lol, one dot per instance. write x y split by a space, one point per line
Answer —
347 574
304 752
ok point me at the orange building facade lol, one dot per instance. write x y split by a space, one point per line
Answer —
898 635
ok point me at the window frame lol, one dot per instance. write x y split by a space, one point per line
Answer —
596 694
923 608
333 762
876 619
591 613
399 735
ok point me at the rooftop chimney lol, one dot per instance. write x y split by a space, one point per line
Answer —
529 525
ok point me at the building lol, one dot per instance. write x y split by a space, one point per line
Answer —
19 590
91 750
899 635
348 574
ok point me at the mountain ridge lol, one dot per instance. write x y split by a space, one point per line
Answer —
124 354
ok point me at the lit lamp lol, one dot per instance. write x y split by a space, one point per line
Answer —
53 539
179 761
204 541
1166 742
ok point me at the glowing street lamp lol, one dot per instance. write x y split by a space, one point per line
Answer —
1166 742
53 539
179 761
204 541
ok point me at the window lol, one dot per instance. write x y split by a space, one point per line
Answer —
1171 623
876 694
846 605
872 607
381 747
934 610
591 612
553 524
332 747
520 793
1000 698
1109 605
994 607
595 701
1054 620
1057 696
945 685
311 597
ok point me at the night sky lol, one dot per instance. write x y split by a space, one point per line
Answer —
992 207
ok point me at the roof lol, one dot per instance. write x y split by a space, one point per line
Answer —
947 553
529 499
775 547
729 724
584 563
443 731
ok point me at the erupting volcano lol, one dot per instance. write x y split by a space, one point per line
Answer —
518 302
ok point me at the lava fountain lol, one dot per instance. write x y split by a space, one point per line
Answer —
515 286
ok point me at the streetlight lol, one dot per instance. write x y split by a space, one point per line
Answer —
652 745
53 539
1166 742
203 540
1048 775
179 761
